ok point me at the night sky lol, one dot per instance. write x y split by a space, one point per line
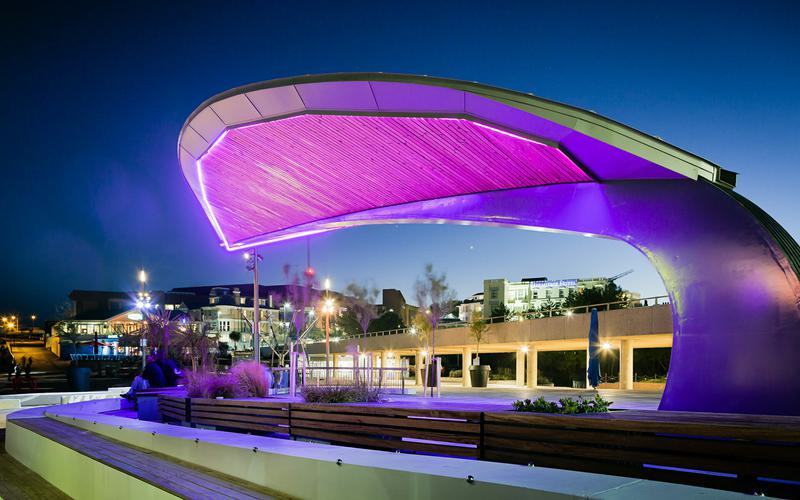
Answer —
94 97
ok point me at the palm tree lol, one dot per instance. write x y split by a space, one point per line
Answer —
195 340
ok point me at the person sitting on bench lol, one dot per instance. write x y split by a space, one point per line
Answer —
138 384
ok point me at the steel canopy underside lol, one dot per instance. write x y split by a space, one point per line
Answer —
295 157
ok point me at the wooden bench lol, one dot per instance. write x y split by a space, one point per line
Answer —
176 477
445 432
147 401
733 452
242 414
174 408
744 453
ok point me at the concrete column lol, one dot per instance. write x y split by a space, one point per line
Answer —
520 377
466 361
533 366
384 359
418 366
626 365
335 358
586 371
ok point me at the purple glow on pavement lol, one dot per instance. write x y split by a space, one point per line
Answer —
275 175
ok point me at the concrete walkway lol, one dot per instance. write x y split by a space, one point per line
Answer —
19 482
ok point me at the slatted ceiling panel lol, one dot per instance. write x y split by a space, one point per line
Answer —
274 175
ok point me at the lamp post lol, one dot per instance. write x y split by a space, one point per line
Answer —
143 304
327 308
252 259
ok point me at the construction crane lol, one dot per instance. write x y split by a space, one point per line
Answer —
620 275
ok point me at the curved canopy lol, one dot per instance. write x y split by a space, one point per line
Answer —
326 146
298 156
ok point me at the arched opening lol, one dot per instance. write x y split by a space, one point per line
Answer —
400 149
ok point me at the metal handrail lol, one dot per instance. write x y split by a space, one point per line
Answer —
560 311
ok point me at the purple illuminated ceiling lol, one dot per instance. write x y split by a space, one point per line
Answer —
275 175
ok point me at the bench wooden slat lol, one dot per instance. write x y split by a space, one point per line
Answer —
249 426
241 402
232 410
473 416
419 423
685 460
386 444
786 434
174 415
240 418
169 404
387 431
649 441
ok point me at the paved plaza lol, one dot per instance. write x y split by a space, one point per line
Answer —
500 397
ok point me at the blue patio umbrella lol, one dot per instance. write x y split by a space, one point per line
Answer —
593 371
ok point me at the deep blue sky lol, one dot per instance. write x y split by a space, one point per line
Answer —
94 97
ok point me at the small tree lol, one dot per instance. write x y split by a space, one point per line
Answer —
422 329
194 340
389 320
235 337
158 324
500 313
478 328
549 308
432 289
583 297
361 302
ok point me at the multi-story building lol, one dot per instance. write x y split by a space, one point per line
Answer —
471 307
531 293
102 317
229 308
394 301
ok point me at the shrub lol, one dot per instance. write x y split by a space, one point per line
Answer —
211 385
340 394
223 385
251 378
565 406
503 374
455 373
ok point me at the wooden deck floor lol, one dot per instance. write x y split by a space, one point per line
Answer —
17 482
179 478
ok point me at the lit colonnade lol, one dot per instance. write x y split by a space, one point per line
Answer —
622 329
300 156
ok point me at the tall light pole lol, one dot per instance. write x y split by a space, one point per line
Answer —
143 304
327 308
252 259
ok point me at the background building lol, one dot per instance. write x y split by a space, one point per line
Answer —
471 307
531 293
394 301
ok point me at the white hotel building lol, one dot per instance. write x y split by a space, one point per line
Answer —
531 293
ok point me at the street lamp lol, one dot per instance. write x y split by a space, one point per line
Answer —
143 304
252 259
327 309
